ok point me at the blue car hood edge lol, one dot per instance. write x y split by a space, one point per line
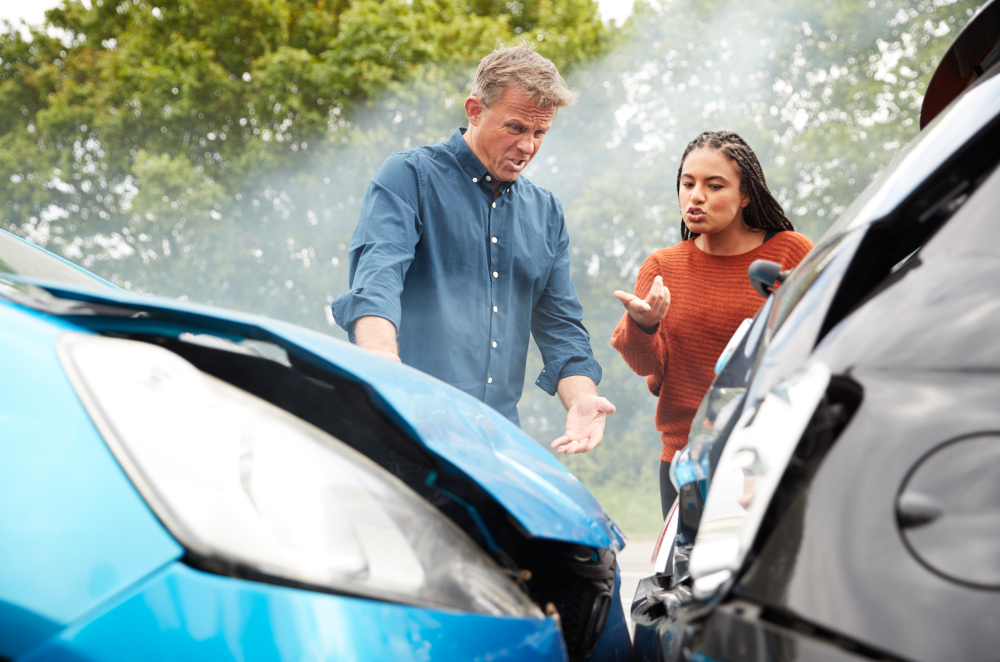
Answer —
544 498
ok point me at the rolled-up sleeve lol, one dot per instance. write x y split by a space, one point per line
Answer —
383 245
557 325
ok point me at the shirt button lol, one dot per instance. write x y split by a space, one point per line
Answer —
494 343
488 178
475 179
494 205
494 240
489 380
494 309
495 274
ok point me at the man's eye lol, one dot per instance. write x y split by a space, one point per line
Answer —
516 128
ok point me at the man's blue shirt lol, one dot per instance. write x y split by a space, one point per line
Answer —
465 277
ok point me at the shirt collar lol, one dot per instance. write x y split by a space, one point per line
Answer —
467 159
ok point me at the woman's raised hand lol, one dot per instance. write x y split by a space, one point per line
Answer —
647 312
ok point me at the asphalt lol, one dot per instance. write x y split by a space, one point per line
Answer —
634 563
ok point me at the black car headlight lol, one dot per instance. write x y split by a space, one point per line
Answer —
242 483
748 474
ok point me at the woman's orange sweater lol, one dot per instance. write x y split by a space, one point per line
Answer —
709 296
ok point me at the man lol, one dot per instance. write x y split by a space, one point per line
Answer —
455 258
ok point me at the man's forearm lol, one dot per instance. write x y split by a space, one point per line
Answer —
574 388
376 334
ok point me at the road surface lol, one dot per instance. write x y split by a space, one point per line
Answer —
633 561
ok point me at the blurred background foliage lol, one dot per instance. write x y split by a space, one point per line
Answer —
218 150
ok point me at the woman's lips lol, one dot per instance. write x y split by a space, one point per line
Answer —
695 214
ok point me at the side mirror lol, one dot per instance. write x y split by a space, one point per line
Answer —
766 276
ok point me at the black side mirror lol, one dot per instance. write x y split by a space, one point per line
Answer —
766 276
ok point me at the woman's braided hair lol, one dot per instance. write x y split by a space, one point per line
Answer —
763 212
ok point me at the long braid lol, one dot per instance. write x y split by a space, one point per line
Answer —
763 212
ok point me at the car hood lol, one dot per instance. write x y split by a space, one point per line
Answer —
545 499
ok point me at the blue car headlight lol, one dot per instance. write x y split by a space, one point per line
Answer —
242 483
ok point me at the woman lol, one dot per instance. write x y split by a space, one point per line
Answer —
690 298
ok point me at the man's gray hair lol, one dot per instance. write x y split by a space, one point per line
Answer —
522 68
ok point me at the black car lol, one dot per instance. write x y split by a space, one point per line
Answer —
840 493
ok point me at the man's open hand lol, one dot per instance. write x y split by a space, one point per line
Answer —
584 425
647 312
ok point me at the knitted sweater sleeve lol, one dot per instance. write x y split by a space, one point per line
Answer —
645 353
798 246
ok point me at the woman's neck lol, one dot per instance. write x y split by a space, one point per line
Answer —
735 239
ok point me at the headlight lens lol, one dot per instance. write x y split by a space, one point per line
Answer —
750 469
240 481
717 409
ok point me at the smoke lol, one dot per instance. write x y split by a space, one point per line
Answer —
825 93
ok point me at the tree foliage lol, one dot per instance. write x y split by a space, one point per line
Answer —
148 126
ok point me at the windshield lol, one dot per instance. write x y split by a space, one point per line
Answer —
795 287
20 258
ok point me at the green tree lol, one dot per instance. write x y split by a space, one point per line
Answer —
150 140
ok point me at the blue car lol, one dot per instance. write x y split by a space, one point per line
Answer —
180 482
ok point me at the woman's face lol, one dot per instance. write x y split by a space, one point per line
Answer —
710 195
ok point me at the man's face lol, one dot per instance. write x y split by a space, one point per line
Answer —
508 134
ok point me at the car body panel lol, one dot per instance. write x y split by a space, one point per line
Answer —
926 353
943 311
183 614
827 577
736 633
58 561
523 477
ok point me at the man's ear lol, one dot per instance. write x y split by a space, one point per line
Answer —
474 109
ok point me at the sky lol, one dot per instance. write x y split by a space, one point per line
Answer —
33 11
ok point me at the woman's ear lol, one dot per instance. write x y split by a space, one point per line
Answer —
745 200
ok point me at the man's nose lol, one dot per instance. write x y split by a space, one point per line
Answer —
527 145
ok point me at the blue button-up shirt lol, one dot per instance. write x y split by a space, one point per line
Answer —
465 276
